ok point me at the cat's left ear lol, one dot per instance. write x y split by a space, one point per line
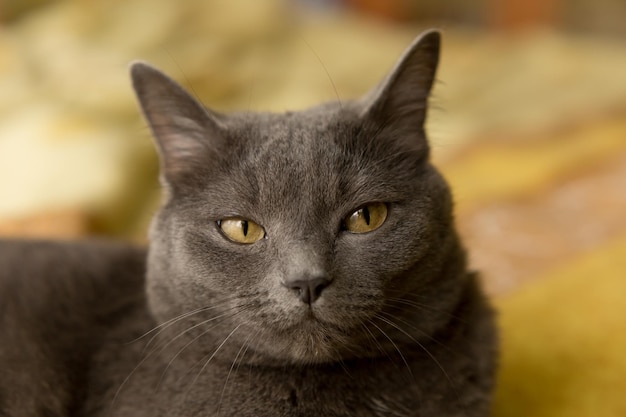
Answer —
186 133
400 102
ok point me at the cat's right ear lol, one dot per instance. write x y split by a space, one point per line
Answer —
399 104
185 132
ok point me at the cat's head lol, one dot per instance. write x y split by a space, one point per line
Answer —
298 229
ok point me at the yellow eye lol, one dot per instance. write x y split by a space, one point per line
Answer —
241 230
366 219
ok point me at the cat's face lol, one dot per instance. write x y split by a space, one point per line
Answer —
296 229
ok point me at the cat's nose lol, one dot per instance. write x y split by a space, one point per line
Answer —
308 290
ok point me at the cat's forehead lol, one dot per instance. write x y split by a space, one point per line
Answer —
291 142
300 129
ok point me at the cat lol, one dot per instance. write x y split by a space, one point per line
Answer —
301 264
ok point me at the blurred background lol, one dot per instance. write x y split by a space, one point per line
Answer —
528 123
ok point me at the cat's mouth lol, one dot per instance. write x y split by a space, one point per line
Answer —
310 316
314 317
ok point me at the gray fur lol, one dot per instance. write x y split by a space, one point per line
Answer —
402 329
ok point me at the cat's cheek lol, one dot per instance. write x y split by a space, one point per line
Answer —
375 257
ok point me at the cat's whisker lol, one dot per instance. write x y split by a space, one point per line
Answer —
180 351
187 315
332 83
422 332
166 323
343 366
422 306
196 363
244 344
212 356
395 347
372 339
173 320
225 313
421 345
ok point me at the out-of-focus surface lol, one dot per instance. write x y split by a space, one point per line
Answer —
528 124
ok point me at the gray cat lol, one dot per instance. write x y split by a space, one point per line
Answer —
302 264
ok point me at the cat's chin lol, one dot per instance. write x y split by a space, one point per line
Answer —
308 348
309 341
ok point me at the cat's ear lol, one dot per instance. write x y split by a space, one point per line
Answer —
185 132
400 102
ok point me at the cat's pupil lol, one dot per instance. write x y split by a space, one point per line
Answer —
244 227
366 214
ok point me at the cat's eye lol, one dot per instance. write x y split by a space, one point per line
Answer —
367 218
241 230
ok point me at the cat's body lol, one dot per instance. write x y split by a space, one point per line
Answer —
302 264
58 303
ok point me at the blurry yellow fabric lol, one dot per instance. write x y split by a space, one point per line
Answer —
564 341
